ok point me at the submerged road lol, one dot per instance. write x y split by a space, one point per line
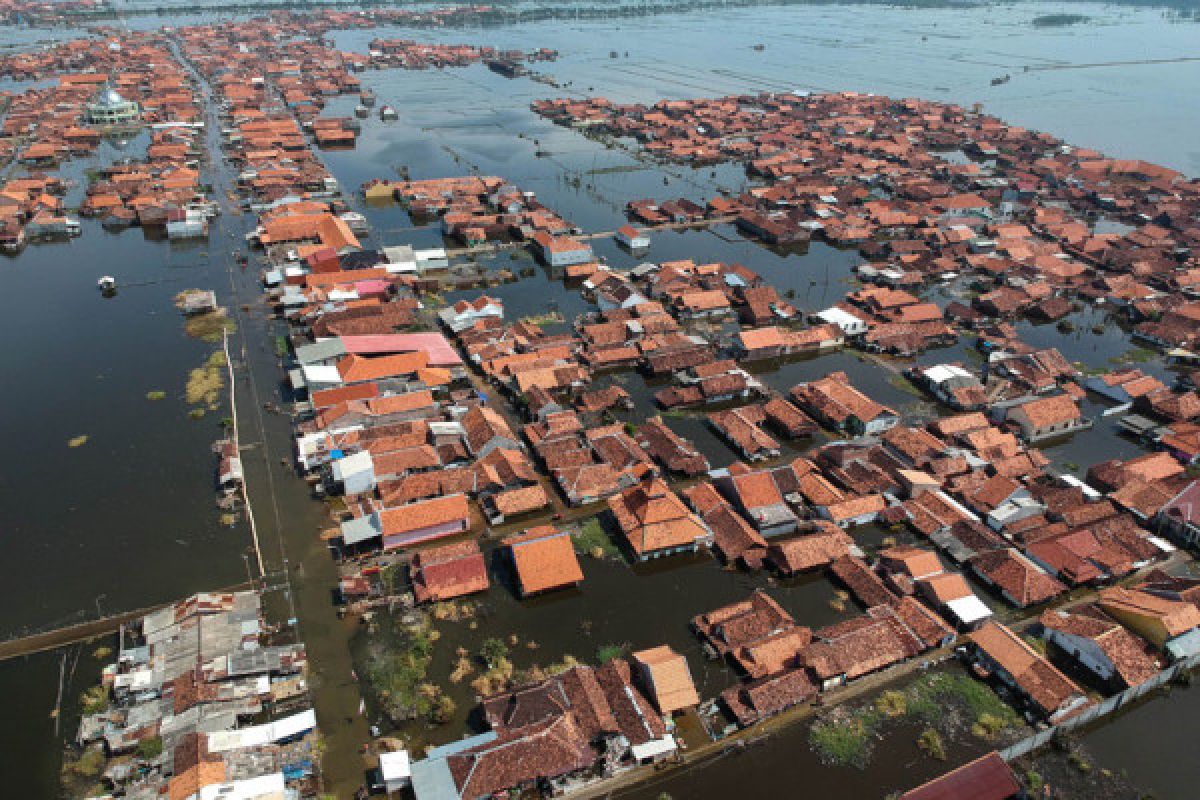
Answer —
287 518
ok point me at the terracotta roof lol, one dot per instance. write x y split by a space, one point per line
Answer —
670 681
1037 677
443 573
545 559
652 517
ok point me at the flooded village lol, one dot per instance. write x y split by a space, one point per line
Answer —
473 409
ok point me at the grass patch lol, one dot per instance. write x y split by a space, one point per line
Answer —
150 749
397 676
608 652
205 382
592 538
93 700
209 327
845 739
1136 355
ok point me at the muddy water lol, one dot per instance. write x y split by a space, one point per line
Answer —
127 519
631 606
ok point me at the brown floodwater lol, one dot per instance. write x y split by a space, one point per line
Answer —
127 519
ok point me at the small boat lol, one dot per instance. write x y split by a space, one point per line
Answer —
107 283
388 114
361 110
1001 79
366 97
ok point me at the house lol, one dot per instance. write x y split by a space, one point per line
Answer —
1018 580
949 593
952 385
743 623
449 571
464 314
758 498
631 238
1110 652
885 635
666 679
732 535
1014 663
1180 517
410 524
561 251
544 560
492 762
851 324
1170 625
510 503
742 428
486 430
655 522
1041 418
810 551
395 769
914 563
833 401
853 511
756 700
986 778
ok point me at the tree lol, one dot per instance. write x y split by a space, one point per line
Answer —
493 651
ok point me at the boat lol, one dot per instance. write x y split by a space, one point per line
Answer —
107 283
388 114
361 110
366 97
1001 79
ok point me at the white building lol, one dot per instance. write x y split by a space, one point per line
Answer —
108 107
632 238
849 323
396 770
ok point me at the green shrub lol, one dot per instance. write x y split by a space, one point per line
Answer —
931 742
150 749
608 652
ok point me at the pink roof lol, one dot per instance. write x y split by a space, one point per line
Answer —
441 352
372 287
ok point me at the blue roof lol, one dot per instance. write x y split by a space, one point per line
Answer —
431 778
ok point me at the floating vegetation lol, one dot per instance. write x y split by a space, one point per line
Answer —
209 327
591 538
892 703
77 441
608 652
931 742
156 395
205 383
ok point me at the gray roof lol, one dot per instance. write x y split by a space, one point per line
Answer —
320 351
361 529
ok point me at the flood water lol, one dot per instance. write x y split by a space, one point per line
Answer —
127 519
